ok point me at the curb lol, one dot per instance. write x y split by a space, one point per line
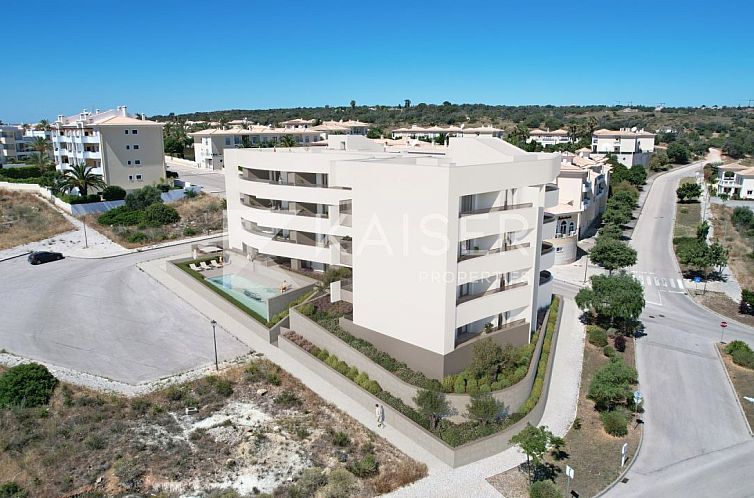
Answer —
16 256
733 387
154 248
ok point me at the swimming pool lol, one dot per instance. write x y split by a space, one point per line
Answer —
235 285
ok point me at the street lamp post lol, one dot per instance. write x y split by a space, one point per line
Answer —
214 339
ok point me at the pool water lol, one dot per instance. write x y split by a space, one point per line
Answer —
235 285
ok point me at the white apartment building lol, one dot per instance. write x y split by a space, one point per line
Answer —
433 132
630 146
442 244
583 184
547 137
736 181
17 143
126 151
350 127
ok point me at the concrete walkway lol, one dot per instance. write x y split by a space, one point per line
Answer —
442 481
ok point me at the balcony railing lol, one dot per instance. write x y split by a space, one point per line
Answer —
471 335
547 248
471 297
544 277
548 218
475 253
494 209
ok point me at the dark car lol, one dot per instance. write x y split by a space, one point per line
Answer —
40 257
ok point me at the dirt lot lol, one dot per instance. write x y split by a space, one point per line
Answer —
688 215
739 247
202 215
723 304
743 381
255 430
26 218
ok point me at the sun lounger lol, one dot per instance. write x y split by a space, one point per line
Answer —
195 268
215 264
205 266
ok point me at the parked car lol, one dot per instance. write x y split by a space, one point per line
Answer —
41 257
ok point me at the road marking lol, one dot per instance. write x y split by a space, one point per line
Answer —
680 284
671 282
657 282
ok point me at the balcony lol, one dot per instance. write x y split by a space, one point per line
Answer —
545 277
492 302
470 297
512 258
291 191
547 256
462 338
495 209
548 226
552 196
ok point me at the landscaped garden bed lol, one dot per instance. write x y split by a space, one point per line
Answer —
738 359
251 430
25 218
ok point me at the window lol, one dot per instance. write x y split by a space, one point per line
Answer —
128 147
129 163
134 132
138 178
571 227
138 161
136 147
130 178
126 131
467 203
558 249
227 140
465 289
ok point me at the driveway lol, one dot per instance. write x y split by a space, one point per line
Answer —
212 182
105 317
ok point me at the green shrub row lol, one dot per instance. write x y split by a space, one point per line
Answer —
539 380
280 316
741 354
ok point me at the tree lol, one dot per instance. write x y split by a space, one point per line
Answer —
717 256
138 200
353 104
288 141
26 385
611 230
617 214
688 191
41 145
173 146
43 125
659 161
433 405
534 442
613 297
484 408
80 177
406 103
486 358
678 153
612 383
702 230
612 254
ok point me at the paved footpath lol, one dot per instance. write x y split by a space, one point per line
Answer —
442 481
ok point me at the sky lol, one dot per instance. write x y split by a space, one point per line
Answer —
163 56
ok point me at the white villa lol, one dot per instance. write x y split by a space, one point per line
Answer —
630 146
547 137
444 244
736 181
433 132
126 151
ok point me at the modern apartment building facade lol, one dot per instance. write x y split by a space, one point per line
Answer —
583 185
445 247
736 181
126 151
547 137
630 146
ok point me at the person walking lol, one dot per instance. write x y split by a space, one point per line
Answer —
379 413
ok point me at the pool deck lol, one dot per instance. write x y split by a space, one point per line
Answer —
266 276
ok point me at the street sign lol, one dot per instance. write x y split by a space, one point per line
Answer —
569 471
697 279
723 324
638 398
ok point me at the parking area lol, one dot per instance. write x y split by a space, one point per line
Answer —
105 317
212 182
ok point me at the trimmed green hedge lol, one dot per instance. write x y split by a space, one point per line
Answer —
539 380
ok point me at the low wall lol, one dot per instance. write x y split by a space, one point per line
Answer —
512 397
216 300
454 457
276 304
182 162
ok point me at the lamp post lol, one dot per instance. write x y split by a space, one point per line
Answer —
214 339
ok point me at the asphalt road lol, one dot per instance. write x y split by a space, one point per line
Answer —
105 317
213 182
696 442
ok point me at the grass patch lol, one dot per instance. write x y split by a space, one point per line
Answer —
25 218
743 382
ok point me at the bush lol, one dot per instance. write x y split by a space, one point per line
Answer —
26 386
221 386
620 343
612 384
596 335
190 193
448 383
743 357
459 387
189 232
615 423
137 237
121 216
20 173
138 200
341 439
746 306
78 199
307 309
287 398
160 214
113 193
12 490
308 483
340 484
608 351
544 489
365 467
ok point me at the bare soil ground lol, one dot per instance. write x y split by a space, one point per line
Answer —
739 247
201 215
255 429
688 215
723 304
25 218
743 382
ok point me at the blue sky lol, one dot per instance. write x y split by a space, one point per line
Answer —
180 56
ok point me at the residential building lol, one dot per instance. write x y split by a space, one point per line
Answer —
432 132
350 127
126 151
444 244
17 143
547 137
630 146
583 185
736 181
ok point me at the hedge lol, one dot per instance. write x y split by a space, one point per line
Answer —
741 354
26 385
121 216
539 380
596 335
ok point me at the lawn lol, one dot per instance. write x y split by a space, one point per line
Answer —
743 382
256 429
200 215
25 218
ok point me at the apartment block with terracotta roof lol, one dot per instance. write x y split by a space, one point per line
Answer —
126 151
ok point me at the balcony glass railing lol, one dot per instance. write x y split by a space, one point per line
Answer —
460 339
477 253
489 292
494 209
547 248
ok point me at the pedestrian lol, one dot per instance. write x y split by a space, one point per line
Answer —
379 413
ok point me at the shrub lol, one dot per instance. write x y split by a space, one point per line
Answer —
735 346
138 200
26 385
615 423
484 408
189 232
221 386
608 351
308 483
113 193
12 490
620 343
373 387
137 237
746 306
472 387
612 384
448 383
544 489
459 387
341 439
596 335
365 467
352 373
743 357
340 484
323 355
190 193
78 199
287 398
22 172
121 216
160 214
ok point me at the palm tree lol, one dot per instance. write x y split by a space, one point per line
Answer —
41 145
41 161
288 141
519 134
80 177
42 125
